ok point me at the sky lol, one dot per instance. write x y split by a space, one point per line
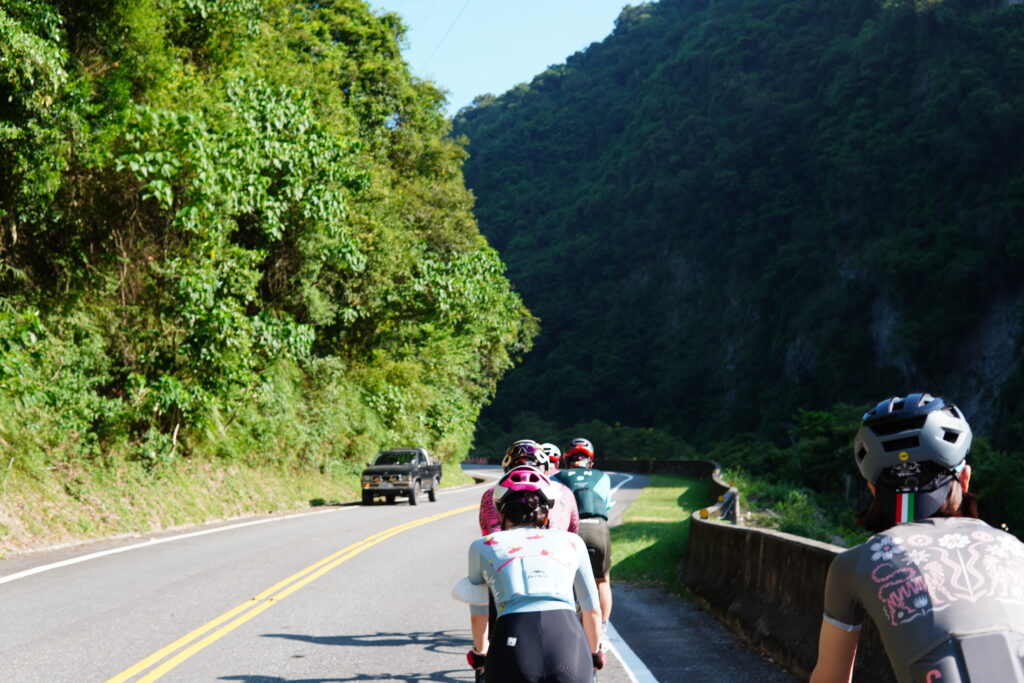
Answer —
472 47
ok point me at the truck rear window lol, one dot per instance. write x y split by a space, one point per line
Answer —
396 458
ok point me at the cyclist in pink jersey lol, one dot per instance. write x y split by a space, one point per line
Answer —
564 513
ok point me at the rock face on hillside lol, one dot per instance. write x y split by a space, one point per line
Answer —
728 211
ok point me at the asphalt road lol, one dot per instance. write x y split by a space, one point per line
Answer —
346 593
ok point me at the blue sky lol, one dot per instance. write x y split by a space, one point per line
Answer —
471 47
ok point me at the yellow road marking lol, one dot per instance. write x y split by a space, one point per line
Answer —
263 601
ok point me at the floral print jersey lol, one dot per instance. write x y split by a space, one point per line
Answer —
921 582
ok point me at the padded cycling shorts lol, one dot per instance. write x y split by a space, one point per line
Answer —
539 647
594 532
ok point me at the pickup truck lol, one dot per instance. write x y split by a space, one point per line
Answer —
404 472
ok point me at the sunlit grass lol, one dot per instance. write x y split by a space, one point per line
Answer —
650 541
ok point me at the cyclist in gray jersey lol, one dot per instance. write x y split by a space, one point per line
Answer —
944 589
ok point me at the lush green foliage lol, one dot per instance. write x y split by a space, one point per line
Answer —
235 229
729 211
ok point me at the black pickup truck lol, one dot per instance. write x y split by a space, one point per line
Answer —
404 472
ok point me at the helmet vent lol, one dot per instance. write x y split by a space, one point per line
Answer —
901 444
950 436
885 427
953 411
861 453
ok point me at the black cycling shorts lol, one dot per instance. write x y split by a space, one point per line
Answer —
594 532
539 647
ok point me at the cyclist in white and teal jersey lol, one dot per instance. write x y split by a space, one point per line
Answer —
535 576
944 589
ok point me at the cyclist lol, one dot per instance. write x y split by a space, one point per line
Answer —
593 493
564 514
532 573
945 589
554 455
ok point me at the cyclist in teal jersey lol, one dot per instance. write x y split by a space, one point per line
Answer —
944 589
593 492
535 576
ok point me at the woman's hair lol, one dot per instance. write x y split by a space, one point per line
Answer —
958 503
526 508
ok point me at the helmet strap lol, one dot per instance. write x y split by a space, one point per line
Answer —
907 505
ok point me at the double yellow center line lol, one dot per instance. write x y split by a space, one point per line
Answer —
235 617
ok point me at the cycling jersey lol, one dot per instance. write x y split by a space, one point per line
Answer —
563 514
938 590
529 570
591 488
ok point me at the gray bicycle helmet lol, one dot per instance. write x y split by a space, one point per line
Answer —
919 428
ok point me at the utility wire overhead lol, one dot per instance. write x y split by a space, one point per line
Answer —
441 42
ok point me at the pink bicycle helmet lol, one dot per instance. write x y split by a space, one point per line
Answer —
523 479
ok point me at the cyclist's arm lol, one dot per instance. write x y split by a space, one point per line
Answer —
490 522
840 624
603 488
583 584
837 649
478 625
586 595
477 614
574 512
591 619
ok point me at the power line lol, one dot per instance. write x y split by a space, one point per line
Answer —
441 42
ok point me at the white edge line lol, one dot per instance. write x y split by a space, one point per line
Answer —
634 666
153 541
629 477
156 541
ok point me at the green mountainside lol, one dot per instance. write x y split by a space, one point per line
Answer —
234 232
731 210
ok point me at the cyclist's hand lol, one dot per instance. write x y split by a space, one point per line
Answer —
599 659
476 660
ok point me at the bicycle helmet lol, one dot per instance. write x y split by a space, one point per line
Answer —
912 449
551 450
916 429
523 479
577 449
522 452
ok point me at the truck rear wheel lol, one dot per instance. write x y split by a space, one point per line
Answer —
414 494
432 493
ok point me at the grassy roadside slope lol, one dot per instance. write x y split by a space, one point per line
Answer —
650 541
65 508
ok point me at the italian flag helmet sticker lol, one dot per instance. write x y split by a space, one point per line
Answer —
904 507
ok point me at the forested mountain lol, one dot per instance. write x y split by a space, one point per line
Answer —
233 230
729 210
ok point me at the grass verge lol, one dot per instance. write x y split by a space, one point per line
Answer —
651 539
55 507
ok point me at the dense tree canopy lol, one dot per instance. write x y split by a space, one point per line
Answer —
235 227
730 211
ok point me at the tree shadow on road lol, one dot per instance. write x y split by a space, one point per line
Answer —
449 642
451 676
454 642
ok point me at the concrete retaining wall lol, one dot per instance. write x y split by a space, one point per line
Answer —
769 587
